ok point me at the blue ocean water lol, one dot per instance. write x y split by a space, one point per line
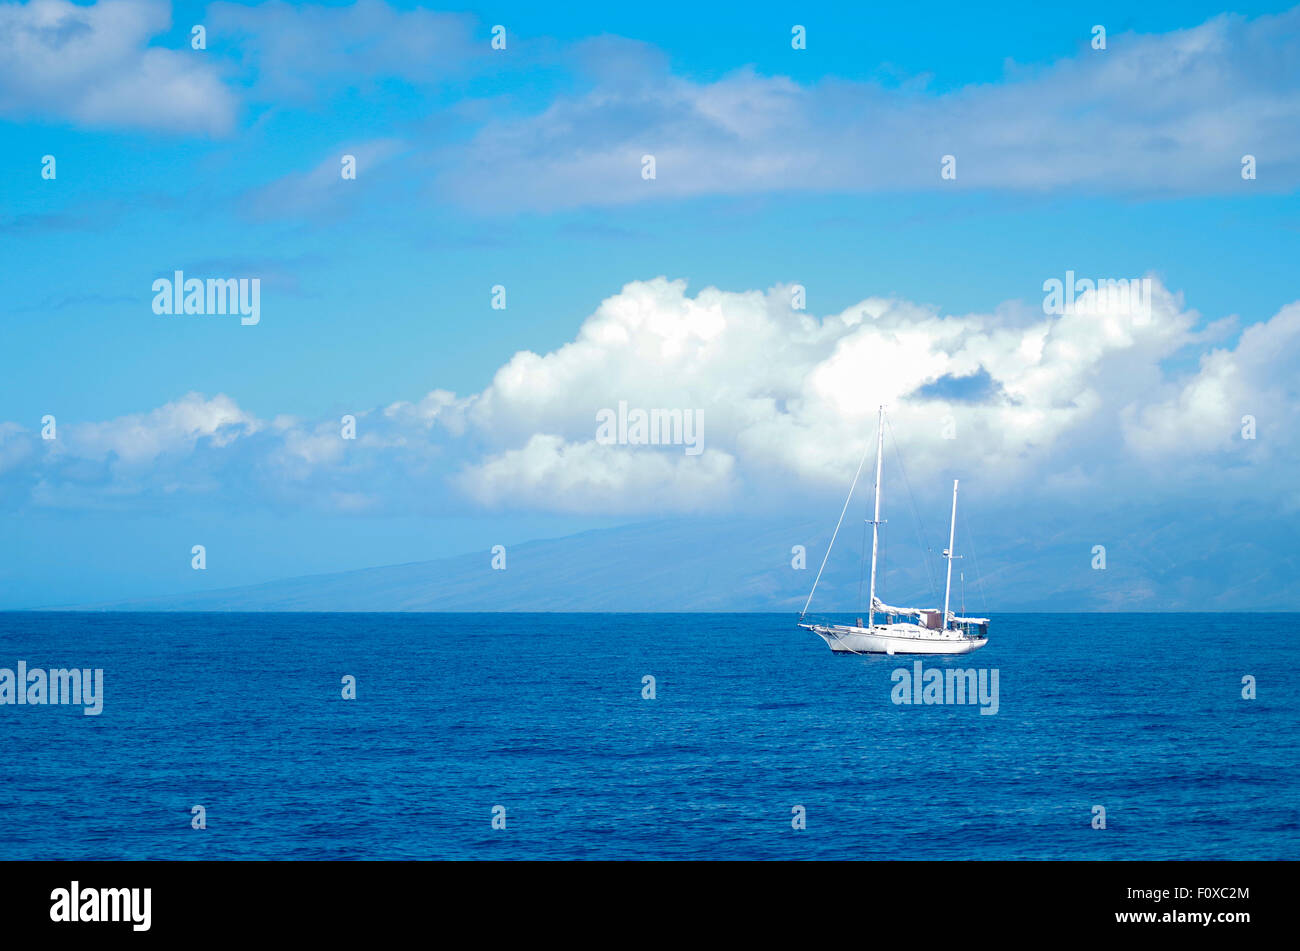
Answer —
543 714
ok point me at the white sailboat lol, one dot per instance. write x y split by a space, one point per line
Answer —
904 630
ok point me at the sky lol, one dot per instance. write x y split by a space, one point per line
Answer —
798 258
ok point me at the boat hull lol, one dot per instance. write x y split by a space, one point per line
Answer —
849 640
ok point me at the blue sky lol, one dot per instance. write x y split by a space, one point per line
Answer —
520 167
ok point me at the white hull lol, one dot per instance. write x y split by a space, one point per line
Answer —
895 639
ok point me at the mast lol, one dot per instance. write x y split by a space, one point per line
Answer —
875 520
952 536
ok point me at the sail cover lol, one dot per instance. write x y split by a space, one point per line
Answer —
878 605
882 607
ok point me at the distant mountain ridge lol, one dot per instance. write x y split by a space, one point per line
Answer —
745 564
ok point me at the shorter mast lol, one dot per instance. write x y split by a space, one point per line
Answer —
952 536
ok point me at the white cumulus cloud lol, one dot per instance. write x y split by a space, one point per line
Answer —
1104 399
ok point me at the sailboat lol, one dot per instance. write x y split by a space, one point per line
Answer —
903 630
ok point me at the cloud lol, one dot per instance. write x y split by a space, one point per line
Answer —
1153 114
1163 114
305 53
1206 413
323 189
98 65
1063 408
14 448
94 65
794 399
550 474
1056 407
176 427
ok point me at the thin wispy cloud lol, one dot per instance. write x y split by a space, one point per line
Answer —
1151 114
297 54
1167 114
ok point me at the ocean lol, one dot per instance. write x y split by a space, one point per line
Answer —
539 720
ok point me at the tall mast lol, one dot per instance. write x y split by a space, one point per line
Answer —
952 537
875 520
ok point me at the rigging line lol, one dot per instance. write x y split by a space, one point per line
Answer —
975 563
916 518
847 499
